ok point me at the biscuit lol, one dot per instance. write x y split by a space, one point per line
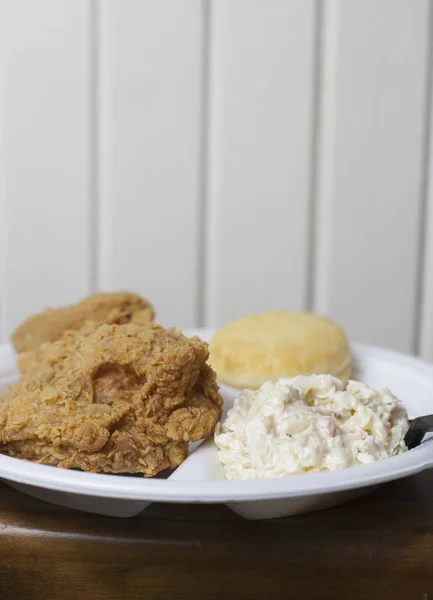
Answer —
249 351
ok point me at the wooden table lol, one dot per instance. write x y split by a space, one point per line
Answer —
379 547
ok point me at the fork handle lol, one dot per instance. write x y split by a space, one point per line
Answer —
417 430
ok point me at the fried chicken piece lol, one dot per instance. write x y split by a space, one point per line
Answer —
112 399
49 325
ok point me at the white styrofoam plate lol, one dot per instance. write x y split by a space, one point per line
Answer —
200 479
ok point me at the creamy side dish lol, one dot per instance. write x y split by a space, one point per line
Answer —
309 424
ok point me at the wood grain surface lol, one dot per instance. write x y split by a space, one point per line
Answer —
379 547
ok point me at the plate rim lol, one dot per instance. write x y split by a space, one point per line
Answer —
123 487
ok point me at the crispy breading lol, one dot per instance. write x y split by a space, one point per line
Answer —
112 399
49 325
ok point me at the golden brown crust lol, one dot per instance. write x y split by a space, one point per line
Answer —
48 326
113 399
274 344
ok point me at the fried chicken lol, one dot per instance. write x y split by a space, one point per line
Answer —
49 325
112 399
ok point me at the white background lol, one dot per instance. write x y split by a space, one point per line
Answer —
220 157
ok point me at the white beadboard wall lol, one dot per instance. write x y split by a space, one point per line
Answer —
221 157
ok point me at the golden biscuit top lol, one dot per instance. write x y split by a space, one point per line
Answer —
279 343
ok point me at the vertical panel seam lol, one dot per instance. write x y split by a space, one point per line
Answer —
425 192
103 97
3 191
203 164
328 50
314 157
3 234
93 143
210 217
3 230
